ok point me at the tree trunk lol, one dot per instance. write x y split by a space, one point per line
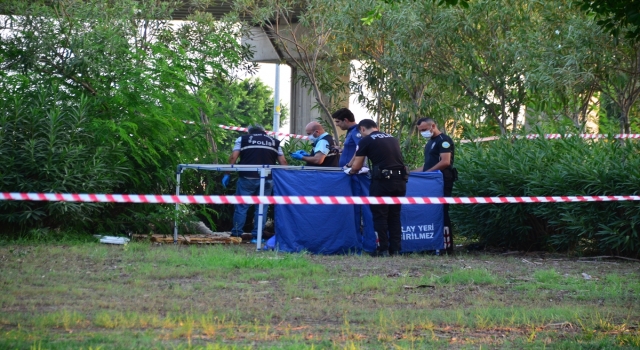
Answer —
212 143
625 126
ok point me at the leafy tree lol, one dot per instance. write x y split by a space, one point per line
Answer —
244 102
393 66
430 52
611 14
299 31
480 66
562 68
619 78
127 77
574 64
379 8
614 15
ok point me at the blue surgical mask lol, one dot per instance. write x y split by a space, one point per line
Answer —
311 137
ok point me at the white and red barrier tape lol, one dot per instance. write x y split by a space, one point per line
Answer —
529 136
237 128
585 136
151 198
558 136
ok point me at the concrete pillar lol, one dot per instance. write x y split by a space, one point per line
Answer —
304 105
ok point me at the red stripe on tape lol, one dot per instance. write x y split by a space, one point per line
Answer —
327 200
237 128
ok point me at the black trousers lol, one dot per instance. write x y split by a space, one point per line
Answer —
386 218
448 190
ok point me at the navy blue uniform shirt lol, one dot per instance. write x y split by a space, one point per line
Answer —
436 145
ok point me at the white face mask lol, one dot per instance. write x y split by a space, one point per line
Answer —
426 134
311 137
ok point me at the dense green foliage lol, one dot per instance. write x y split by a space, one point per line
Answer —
47 145
94 98
566 167
490 67
615 15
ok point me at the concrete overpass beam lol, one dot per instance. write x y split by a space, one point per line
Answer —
303 101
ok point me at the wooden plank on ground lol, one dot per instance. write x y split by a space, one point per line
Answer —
191 239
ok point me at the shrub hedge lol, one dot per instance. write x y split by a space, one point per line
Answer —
46 146
570 166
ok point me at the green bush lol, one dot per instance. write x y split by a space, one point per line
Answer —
92 103
46 146
564 167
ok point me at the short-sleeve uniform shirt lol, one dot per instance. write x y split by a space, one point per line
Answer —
322 145
382 149
432 150
350 144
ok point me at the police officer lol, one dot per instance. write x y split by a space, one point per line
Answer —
255 148
439 154
324 153
345 120
388 178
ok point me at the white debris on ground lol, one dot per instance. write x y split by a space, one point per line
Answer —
112 239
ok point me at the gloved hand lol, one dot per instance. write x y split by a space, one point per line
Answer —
363 170
225 180
301 152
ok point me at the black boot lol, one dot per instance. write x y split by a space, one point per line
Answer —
380 254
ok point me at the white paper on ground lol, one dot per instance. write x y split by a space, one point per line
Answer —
114 240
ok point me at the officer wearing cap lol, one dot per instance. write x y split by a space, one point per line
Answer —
439 153
388 179
255 148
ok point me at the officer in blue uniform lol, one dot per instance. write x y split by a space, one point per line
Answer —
325 153
388 179
255 148
345 120
439 154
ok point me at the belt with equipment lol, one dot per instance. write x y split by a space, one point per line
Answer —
388 174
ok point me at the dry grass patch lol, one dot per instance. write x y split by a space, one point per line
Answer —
143 296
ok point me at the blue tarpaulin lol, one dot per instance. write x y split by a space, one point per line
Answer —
339 229
320 229
423 225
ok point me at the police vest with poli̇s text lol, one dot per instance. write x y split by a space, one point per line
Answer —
257 149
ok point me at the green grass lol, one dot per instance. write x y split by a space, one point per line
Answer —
141 296
468 276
